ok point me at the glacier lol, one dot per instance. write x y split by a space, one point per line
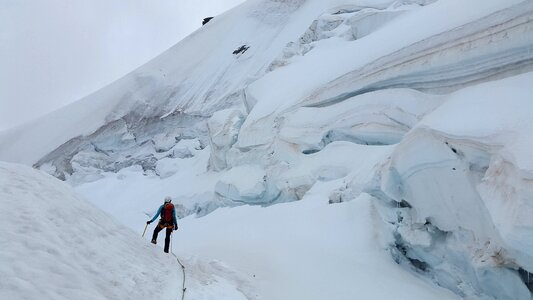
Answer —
417 113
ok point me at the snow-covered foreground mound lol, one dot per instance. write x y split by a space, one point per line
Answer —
55 245
305 250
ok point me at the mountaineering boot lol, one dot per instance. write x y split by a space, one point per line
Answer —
154 242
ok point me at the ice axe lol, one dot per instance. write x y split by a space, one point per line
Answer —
146 224
145 229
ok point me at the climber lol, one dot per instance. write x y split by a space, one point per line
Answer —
168 221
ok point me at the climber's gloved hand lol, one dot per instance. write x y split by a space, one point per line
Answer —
175 226
148 222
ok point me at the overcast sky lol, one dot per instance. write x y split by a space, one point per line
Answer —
53 52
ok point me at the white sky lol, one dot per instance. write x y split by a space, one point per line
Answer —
53 52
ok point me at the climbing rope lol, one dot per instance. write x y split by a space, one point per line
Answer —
183 288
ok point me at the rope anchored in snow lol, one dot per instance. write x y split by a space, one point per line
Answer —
183 288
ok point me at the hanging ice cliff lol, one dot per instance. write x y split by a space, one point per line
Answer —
424 106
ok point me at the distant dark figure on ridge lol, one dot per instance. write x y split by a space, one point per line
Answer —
168 221
241 49
206 20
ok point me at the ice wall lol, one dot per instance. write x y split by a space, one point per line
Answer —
465 188
128 141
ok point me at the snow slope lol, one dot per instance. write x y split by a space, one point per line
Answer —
305 250
55 245
200 75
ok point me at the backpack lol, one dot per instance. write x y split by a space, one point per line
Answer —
167 213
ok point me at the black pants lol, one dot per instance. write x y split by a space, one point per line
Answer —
160 227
